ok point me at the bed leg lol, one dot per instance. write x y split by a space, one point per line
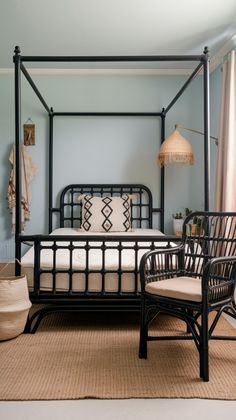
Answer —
26 329
34 321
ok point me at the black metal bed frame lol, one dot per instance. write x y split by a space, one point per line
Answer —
19 59
70 214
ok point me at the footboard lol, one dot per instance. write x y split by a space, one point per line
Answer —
69 267
81 273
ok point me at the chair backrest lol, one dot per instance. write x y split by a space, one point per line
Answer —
208 235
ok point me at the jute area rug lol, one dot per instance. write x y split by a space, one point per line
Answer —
96 356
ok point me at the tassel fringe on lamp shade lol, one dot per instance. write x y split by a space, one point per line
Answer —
175 149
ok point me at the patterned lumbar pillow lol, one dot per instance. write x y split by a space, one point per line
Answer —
106 214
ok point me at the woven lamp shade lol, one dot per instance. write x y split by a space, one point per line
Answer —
175 149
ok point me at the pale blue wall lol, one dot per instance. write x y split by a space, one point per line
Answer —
105 150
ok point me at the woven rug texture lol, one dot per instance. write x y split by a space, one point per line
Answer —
74 356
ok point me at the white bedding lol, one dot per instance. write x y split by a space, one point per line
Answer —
95 262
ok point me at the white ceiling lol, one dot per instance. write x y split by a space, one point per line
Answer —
115 27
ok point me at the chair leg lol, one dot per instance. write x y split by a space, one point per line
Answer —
190 312
204 349
143 330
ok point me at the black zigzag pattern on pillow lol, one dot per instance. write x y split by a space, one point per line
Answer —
107 210
87 212
126 204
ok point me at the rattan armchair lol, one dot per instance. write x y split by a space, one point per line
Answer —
191 280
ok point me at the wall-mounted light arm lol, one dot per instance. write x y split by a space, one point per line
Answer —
195 131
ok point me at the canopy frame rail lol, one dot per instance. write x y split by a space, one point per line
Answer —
19 59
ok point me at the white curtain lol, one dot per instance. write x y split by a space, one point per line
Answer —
226 161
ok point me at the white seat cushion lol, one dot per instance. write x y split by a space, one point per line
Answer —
186 288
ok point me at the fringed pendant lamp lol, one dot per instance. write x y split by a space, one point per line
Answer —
175 149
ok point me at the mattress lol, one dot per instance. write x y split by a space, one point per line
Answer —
96 261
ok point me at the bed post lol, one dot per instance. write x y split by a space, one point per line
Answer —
50 170
17 63
163 115
206 128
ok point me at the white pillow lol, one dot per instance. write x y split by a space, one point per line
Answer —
106 214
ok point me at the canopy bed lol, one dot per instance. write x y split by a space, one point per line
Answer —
74 268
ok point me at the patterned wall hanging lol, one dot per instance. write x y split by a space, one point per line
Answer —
29 133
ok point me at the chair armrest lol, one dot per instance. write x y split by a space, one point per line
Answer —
161 264
219 278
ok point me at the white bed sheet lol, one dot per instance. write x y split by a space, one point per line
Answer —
95 262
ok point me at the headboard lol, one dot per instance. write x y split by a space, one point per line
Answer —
141 205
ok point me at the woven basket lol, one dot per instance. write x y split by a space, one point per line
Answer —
14 305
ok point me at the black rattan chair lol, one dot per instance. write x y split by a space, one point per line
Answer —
191 280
